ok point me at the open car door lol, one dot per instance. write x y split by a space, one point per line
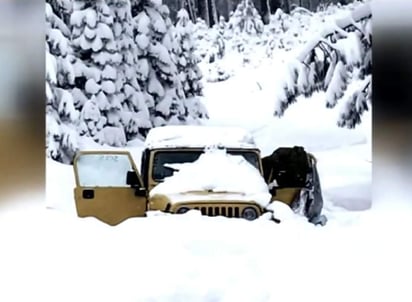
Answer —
108 186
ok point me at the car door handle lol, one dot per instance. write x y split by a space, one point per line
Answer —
88 194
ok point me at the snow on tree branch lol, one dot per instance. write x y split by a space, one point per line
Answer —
356 104
61 114
331 61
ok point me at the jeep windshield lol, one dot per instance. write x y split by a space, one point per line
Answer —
163 158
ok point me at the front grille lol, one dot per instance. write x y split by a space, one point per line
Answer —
226 211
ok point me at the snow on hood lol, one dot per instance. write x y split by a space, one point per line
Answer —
216 197
216 171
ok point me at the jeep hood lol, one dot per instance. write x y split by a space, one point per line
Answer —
218 197
215 176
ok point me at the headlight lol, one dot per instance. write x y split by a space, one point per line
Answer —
249 213
182 210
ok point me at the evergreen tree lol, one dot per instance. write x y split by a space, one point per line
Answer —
202 38
217 50
62 9
135 115
189 72
246 26
219 45
187 64
61 116
274 32
98 68
112 72
156 69
246 19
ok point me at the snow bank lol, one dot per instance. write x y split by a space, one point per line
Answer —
216 171
47 256
60 183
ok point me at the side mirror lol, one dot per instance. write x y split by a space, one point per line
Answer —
132 179
272 187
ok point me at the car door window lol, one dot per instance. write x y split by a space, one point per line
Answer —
103 170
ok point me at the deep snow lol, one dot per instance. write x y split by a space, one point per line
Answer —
47 253
194 258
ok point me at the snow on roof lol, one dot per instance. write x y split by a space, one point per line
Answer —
216 171
198 136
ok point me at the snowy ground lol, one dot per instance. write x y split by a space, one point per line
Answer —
54 256
51 255
47 253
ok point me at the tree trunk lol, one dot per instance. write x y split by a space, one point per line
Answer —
191 11
229 7
286 6
206 12
213 12
267 17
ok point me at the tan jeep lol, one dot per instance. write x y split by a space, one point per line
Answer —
110 187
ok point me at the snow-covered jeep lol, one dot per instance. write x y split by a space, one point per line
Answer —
215 170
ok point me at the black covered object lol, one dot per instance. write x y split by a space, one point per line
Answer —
288 166
293 167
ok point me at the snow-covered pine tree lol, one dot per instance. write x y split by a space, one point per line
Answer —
97 72
246 19
286 31
202 38
156 69
190 75
246 26
340 55
61 116
135 114
219 45
274 32
216 51
187 63
62 9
